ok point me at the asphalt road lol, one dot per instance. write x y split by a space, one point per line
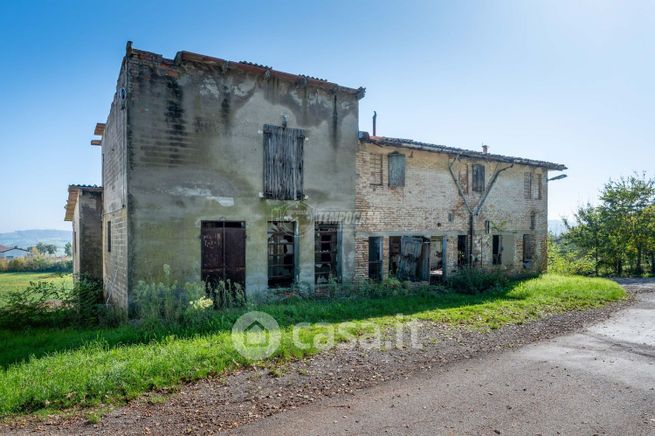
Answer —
598 381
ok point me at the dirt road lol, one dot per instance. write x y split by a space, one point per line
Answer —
598 381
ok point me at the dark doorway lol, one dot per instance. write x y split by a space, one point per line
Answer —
394 254
497 250
223 252
375 245
326 253
281 254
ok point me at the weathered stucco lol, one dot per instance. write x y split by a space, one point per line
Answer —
186 145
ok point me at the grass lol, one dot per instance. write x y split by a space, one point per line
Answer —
16 281
58 369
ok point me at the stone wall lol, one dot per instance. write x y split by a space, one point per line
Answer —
429 205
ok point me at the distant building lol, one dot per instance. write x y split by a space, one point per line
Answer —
13 252
84 209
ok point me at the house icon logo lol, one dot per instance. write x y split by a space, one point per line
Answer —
256 335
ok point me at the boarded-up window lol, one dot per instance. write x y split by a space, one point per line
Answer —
464 179
375 258
528 249
527 185
478 178
283 163
375 176
539 182
396 170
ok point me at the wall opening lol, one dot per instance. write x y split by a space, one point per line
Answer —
462 249
281 254
283 162
375 244
223 252
478 178
108 236
412 260
326 253
528 250
396 169
497 250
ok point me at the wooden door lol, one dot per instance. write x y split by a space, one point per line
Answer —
223 252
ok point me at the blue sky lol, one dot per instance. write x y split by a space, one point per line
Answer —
565 81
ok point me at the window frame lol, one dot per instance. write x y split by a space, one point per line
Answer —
276 164
397 175
478 178
376 169
276 281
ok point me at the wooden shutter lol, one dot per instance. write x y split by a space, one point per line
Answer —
478 178
283 163
396 169
527 185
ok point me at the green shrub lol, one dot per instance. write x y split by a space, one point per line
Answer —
170 303
36 263
470 280
568 262
45 304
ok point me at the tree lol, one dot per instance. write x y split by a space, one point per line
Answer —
68 249
44 248
621 229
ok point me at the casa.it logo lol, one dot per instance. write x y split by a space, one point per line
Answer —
256 335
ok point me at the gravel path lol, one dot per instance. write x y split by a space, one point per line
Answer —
247 396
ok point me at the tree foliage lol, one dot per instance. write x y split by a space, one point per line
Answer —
619 232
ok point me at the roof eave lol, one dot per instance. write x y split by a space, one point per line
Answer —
460 152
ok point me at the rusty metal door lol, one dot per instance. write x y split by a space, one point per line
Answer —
223 251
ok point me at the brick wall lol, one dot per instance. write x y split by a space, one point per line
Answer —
429 205
114 180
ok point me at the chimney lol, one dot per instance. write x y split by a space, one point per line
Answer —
375 116
485 148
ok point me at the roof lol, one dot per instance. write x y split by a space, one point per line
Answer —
245 66
417 145
3 248
12 248
73 190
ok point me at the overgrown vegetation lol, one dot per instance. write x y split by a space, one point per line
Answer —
36 263
470 280
59 368
49 304
618 235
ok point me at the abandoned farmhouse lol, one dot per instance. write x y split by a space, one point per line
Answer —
232 170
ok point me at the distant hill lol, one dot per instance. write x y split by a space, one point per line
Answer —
556 227
28 238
